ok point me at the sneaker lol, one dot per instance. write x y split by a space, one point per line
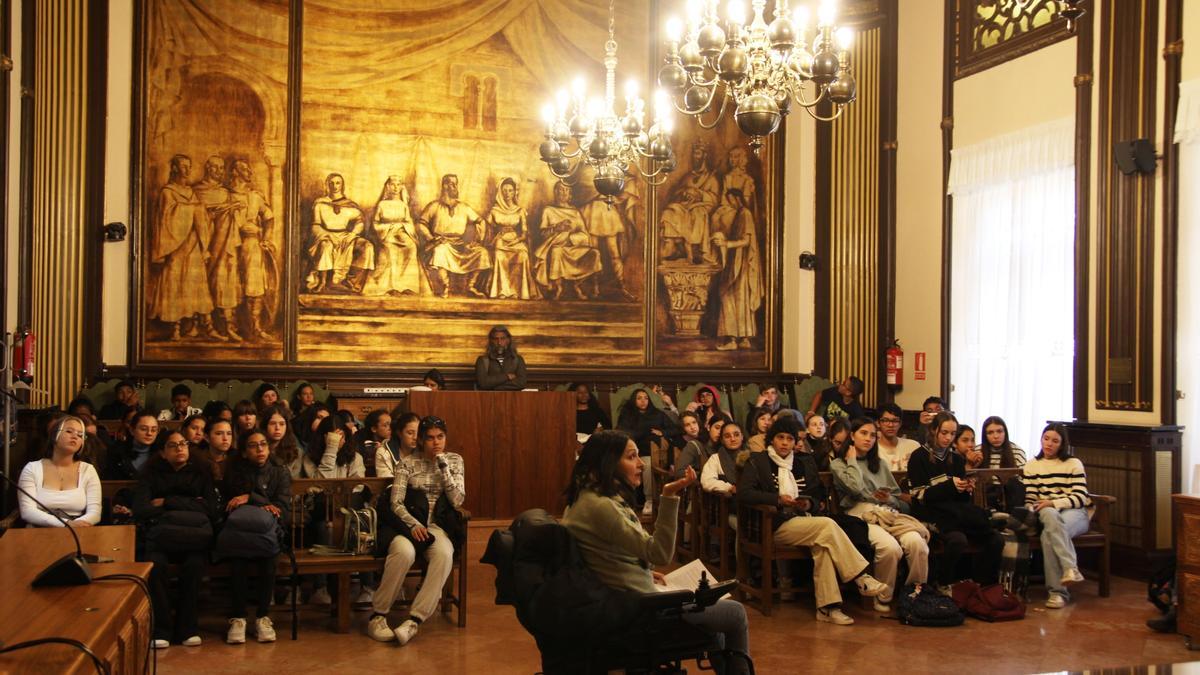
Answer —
406 631
648 508
378 629
162 644
882 607
320 597
869 586
834 615
944 590
193 641
1056 601
264 629
237 632
366 597
1071 576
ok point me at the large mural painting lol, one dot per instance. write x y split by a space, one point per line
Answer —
373 193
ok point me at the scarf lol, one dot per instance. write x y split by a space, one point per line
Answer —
729 466
787 482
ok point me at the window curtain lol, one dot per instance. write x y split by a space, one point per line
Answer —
1012 330
1187 364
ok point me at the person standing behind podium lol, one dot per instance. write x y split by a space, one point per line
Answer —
501 368
60 481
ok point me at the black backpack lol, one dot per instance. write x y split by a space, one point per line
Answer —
921 605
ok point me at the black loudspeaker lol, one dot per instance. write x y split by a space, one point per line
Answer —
1135 156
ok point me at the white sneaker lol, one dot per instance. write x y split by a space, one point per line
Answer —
1071 576
264 629
162 644
648 508
406 631
366 597
320 597
834 615
882 607
1056 601
237 632
193 641
378 629
869 586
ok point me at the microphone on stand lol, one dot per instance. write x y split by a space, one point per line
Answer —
69 570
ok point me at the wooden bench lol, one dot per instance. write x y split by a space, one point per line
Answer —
338 492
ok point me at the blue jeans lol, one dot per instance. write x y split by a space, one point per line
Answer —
726 621
1059 526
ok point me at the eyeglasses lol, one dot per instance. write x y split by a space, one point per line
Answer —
889 420
255 445
176 445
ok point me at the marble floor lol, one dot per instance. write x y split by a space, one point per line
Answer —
1091 633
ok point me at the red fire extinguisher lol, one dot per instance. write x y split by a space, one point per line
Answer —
895 365
23 357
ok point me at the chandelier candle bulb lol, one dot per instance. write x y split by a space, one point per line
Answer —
826 13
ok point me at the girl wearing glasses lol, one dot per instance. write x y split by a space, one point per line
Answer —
174 483
67 486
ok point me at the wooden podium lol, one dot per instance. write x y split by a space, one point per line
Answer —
518 446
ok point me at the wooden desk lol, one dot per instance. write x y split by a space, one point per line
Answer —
1186 516
111 617
518 446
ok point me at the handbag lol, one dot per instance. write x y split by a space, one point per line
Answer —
989 603
920 605
180 532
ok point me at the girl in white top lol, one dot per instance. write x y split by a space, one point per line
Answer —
60 481
399 447
720 472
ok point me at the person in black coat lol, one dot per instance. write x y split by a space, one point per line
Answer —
789 481
941 494
175 507
646 424
589 416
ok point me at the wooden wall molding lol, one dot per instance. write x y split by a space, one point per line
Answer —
1173 56
1084 80
1123 362
1016 36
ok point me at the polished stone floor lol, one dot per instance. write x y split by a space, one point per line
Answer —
1092 632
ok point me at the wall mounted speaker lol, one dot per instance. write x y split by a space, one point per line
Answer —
1136 156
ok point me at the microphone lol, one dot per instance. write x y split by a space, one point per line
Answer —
69 570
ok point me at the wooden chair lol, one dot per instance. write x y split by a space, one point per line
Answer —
756 537
715 509
690 540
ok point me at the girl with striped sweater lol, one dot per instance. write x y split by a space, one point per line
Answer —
1056 488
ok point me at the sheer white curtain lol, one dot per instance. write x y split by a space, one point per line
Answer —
1187 135
1012 330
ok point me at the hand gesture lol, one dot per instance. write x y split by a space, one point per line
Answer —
78 523
675 487
420 533
237 501
882 495
1044 504
758 402
962 484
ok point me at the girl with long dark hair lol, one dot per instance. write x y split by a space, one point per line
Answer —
1056 488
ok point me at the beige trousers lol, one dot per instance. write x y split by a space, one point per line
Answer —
889 550
835 559
400 558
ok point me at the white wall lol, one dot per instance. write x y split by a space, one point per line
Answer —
919 195
117 162
799 235
1188 298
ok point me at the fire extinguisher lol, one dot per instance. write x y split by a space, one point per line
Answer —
23 357
895 365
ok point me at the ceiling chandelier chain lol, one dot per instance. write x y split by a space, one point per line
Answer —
765 68
586 133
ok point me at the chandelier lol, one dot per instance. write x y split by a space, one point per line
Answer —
584 131
762 67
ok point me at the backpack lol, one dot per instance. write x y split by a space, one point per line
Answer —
989 603
249 532
921 605
180 532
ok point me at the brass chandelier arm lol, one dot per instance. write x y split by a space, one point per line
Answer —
821 118
698 113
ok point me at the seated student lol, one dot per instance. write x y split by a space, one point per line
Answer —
999 452
275 423
941 494
68 486
181 404
695 449
377 429
220 440
720 473
265 396
126 399
126 459
589 416
601 515
434 380
217 409
767 399
646 424
1056 488
815 428
193 431
96 445
174 482
305 425
869 491
964 444
759 421
81 405
932 406
254 480
706 404
245 417
302 398
399 447
339 458
840 400
893 448
789 480
440 475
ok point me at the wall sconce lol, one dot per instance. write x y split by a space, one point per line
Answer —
115 231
